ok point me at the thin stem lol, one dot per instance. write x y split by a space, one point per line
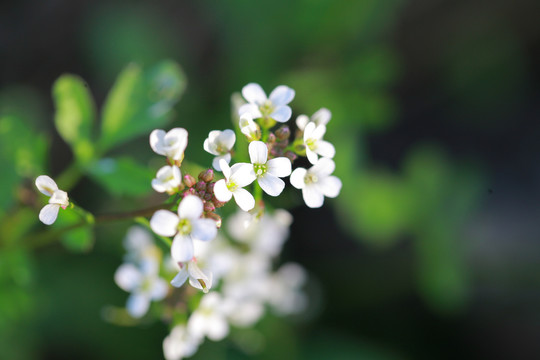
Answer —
257 191
130 214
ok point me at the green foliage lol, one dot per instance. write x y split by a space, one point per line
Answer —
80 239
140 101
122 176
75 114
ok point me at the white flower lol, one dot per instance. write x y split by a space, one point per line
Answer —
248 127
313 135
220 143
171 144
168 179
316 183
320 117
267 172
59 199
185 227
273 107
209 318
235 179
143 283
180 343
284 289
198 278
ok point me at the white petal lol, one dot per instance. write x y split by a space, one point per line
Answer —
318 132
209 148
191 207
321 116
203 229
254 93
221 192
282 95
205 276
281 114
312 196
323 167
225 169
127 277
227 138
258 152
156 141
59 197
272 185
46 185
311 156
330 186
302 121
159 289
325 149
49 213
280 166
137 305
251 109
297 178
242 174
244 199
218 329
164 223
159 186
182 248
217 159
308 131
180 278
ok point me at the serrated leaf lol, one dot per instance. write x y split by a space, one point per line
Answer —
75 113
140 101
122 176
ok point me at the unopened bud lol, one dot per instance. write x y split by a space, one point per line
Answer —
207 175
210 187
200 186
209 207
190 191
189 180
215 217
290 155
207 196
271 138
283 133
217 203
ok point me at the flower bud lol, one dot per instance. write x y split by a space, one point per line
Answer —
189 180
200 186
207 175
283 133
215 217
290 155
217 203
207 196
209 207
271 138
190 191
210 187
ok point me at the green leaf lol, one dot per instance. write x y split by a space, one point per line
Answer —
75 114
122 176
140 101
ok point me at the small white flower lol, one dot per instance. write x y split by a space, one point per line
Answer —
248 127
143 283
273 107
198 278
180 343
170 144
316 183
314 144
59 199
284 289
168 179
209 318
185 227
320 117
267 172
220 143
236 177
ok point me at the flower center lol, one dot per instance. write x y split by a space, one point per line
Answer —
311 144
260 169
231 186
184 226
310 178
266 108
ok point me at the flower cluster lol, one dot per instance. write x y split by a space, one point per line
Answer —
233 268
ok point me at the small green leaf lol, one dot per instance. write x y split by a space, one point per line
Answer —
122 176
140 101
75 114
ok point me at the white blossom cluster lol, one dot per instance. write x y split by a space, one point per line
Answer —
237 267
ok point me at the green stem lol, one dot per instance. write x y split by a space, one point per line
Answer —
257 190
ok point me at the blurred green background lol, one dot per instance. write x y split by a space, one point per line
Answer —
432 250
